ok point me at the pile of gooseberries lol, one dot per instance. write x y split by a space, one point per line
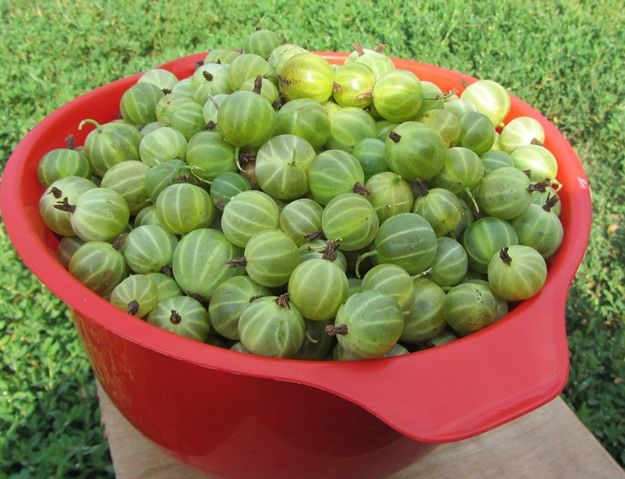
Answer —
275 204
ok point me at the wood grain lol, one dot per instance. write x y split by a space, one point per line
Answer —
548 443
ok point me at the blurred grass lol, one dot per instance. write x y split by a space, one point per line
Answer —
566 58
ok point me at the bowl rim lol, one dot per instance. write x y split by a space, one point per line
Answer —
505 383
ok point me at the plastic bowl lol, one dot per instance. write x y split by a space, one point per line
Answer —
244 416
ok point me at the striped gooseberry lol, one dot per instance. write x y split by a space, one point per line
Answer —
318 287
180 112
348 126
160 176
392 280
484 237
441 208
376 60
389 194
136 295
62 162
353 85
506 192
209 155
458 106
248 213
305 118
246 66
269 258
66 249
264 87
270 326
166 286
183 88
138 103
350 219
368 325
262 42
468 308
476 132
282 53
183 207
210 111
221 55
462 172
99 214
489 98
539 228
183 316
397 95
147 216
149 249
245 118
128 179
228 302
209 79
306 75
318 249
414 150
424 319
521 131
161 145
445 123
501 304
200 262
537 160
281 167
450 263
370 154
163 79
317 344
516 272
332 173
301 220
406 240
110 144
99 266
495 159
227 185
433 98
64 190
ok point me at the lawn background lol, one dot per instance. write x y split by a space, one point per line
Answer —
566 58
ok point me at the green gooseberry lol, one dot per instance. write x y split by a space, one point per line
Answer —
281 167
182 113
282 53
183 316
160 176
62 162
450 263
517 272
246 66
458 106
350 219
353 85
245 119
522 131
166 286
349 126
270 326
424 319
490 99
322 249
301 220
441 208
128 179
374 59
138 103
163 79
230 300
99 266
209 155
149 249
369 324
370 154
494 159
397 96
537 160
476 132
162 145
210 79
305 118
262 42
539 228
183 88
306 75
264 87
502 304
389 194
445 123
226 186
332 173
392 280
483 238
136 295
183 207
200 262
110 144
248 213
469 308
64 190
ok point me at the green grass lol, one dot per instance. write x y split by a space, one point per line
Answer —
566 58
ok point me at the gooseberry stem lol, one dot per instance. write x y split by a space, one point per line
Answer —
360 258
313 236
258 84
361 190
175 317
333 330
504 256
283 301
550 202
477 211
358 47
329 252
540 186
133 307
89 121
167 271
207 76
119 241
54 191
65 206
236 262
422 187
394 136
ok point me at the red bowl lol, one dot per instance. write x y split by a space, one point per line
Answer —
242 416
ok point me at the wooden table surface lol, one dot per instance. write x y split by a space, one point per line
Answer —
547 443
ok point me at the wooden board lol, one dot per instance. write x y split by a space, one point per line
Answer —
547 443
